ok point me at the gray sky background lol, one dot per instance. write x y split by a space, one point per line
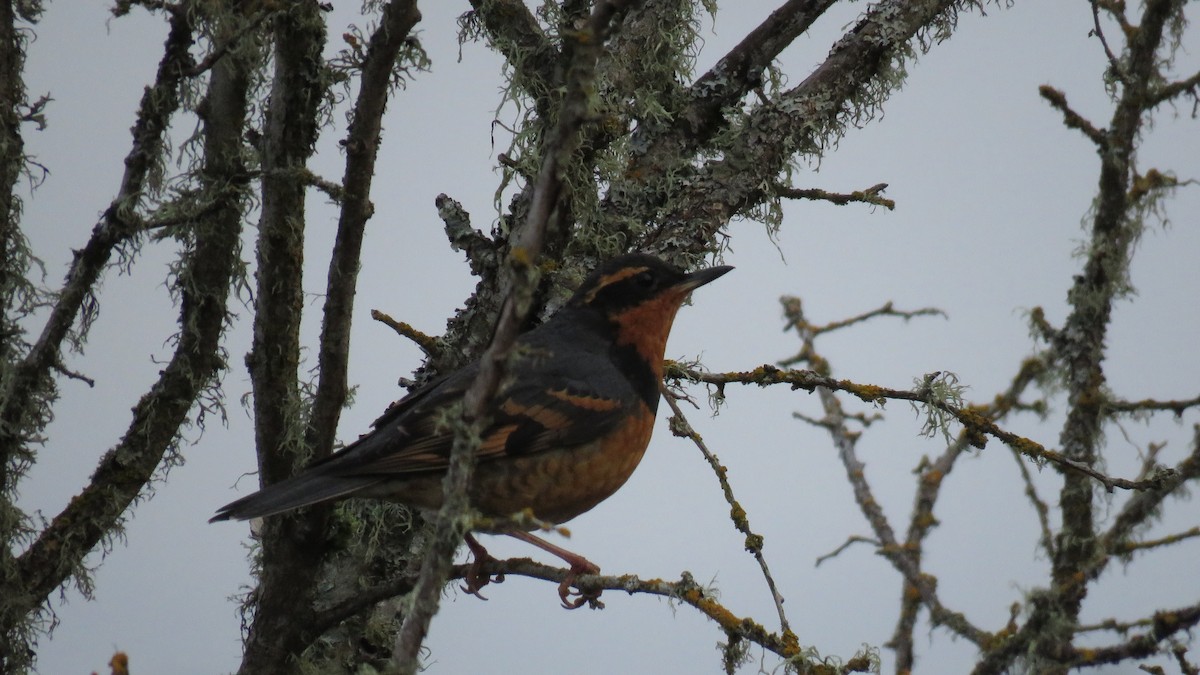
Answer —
990 189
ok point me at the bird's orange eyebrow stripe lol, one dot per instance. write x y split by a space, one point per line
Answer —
585 402
610 279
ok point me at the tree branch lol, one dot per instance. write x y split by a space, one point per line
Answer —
292 546
908 565
869 196
447 534
513 31
1079 348
754 542
204 282
33 376
1072 119
800 121
362 145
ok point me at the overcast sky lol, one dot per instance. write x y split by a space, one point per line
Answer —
990 191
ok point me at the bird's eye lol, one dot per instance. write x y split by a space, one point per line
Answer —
645 280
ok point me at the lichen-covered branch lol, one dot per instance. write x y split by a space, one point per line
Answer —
931 476
514 32
977 424
871 195
848 86
1164 625
1072 119
725 84
23 414
754 542
291 546
205 276
28 382
685 591
583 53
1045 640
916 581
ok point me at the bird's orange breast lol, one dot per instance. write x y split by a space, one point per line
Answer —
560 484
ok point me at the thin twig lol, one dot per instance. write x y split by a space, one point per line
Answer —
969 417
846 440
1148 404
754 542
428 344
850 541
1039 505
1072 119
869 196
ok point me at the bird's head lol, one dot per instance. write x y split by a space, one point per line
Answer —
639 294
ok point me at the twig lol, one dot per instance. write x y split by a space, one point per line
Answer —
869 196
854 539
1148 404
1072 119
447 532
754 542
969 417
428 344
845 440
886 310
61 368
1113 62
1126 547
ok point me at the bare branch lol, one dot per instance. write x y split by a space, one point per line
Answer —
428 344
204 284
35 372
362 145
1072 119
869 196
291 546
850 541
902 559
754 542
1164 625
971 418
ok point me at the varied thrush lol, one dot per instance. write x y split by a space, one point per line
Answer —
568 426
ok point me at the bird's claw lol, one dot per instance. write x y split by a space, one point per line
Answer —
476 577
574 597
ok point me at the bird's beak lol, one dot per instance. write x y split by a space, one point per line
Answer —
700 277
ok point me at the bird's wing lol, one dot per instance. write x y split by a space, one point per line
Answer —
531 415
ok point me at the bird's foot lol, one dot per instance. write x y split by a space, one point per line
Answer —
476 577
579 565
574 599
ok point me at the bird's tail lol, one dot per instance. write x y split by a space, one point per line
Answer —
302 490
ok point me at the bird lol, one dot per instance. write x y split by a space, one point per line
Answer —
568 425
